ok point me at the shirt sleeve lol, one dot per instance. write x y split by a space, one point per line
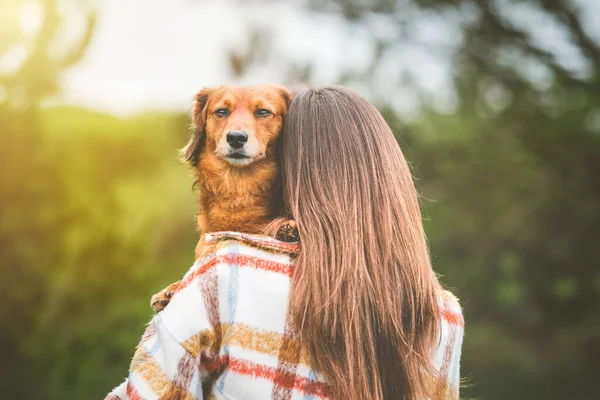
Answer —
454 368
447 355
118 393
166 363
162 368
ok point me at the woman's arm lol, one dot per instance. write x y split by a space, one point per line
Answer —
161 368
454 369
166 363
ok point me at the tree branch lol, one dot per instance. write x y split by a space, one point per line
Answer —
492 19
562 10
74 54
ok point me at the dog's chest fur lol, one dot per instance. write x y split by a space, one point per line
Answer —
236 199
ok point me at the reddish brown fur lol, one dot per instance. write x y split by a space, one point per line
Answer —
239 198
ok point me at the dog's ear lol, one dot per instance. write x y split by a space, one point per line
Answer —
199 107
191 152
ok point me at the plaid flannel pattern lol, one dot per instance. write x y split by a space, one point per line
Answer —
227 329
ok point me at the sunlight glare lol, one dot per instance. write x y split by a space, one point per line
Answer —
31 18
12 59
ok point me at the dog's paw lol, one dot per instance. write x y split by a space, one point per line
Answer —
160 300
288 232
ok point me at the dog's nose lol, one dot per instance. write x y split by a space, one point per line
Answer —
237 139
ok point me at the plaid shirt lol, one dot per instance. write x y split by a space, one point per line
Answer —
227 329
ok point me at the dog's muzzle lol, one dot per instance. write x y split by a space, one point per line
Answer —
238 148
237 139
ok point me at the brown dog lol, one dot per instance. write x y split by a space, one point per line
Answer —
234 152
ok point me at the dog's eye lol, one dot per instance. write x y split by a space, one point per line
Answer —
222 112
262 112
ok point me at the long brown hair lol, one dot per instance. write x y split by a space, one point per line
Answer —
364 295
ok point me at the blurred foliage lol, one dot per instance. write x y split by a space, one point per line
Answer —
96 213
40 48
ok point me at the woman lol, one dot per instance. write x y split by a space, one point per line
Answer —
355 312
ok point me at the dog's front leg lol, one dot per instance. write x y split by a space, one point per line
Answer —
160 300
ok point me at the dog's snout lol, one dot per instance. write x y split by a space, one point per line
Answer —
237 139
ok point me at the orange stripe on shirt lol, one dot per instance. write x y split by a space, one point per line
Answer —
132 394
453 318
243 261
248 368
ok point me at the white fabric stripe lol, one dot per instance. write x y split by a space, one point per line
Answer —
186 314
238 386
262 299
454 373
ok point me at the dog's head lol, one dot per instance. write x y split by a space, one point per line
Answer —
237 124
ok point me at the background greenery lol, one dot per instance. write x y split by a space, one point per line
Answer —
96 213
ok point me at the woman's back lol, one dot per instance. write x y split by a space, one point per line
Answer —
228 326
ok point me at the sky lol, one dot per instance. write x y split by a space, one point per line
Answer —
147 55
152 54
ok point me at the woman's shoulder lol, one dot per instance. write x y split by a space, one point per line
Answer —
450 308
242 250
